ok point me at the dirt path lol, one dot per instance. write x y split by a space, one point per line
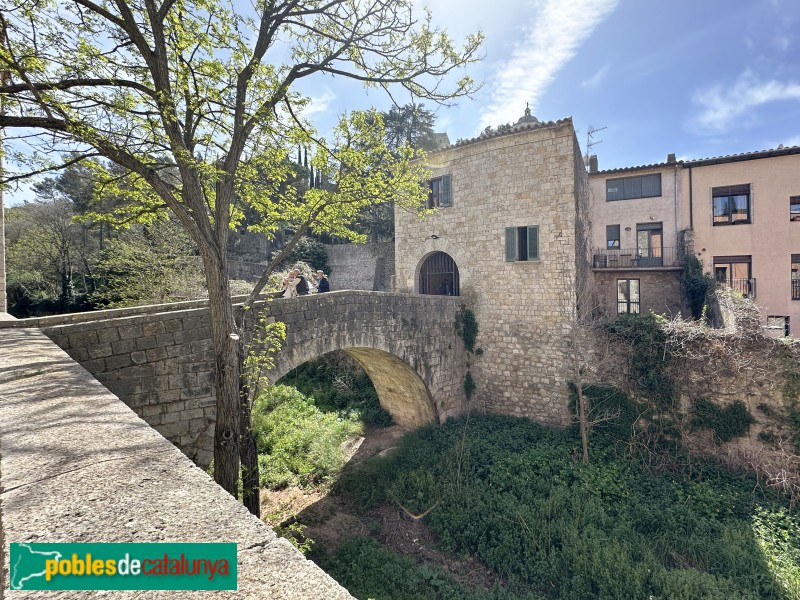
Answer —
329 520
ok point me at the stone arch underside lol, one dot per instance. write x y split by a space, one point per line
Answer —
400 390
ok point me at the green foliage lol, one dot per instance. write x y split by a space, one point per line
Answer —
297 443
649 358
338 383
695 285
268 337
311 252
512 494
148 265
369 571
791 389
469 385
467 327
612 410
727 423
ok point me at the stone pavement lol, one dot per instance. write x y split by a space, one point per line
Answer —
77 465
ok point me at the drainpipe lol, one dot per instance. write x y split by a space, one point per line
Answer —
691 210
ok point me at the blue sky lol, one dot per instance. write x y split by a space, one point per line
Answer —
698 78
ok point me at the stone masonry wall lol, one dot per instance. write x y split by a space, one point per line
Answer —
161 363
521 178
659 290
361 266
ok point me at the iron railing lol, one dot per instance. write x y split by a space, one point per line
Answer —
795 289
746 287
620 258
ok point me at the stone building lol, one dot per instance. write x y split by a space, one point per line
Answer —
510 236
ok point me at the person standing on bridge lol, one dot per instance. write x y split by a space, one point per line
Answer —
322 283
290 283
302 284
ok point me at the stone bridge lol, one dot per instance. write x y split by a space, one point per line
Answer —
159 359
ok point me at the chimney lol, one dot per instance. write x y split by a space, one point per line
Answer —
671 157
593 163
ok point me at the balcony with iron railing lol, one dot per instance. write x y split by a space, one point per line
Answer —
746 287
634 258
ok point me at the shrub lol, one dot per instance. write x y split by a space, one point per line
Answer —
297 443
727 423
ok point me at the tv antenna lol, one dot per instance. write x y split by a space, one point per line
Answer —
590 141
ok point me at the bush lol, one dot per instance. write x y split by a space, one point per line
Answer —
514 495
297 443
727 423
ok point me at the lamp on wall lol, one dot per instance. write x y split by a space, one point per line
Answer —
627 229
434 236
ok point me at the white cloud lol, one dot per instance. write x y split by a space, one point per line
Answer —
552 39
595 79
321 103
726 105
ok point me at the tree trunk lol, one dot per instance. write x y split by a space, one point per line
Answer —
251 486
226 354
583 421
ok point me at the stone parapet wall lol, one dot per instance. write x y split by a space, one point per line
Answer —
77 465
161 364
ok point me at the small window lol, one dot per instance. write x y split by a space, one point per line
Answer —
630 188
439 193
731 204
627 296
778 325
522 243
612 236
794 208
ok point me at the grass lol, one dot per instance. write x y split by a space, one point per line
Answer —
298 444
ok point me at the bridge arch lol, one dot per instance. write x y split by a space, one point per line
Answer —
401 391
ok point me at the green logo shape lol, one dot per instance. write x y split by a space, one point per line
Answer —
147 566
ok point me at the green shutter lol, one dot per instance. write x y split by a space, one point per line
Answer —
511 244
533 242
445 197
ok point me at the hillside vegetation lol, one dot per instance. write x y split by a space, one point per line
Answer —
517 497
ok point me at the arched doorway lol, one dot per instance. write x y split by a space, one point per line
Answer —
439 276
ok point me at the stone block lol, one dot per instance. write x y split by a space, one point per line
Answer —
123 346
145 343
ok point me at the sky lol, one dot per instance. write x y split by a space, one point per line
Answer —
698 78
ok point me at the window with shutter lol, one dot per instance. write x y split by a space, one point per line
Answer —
630 188
439 192
522 243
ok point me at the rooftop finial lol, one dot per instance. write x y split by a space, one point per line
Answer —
527 110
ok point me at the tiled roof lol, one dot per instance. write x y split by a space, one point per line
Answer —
700 162
509 129
636 168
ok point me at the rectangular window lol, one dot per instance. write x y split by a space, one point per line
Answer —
439 192
794 208
627 296
778 324
795 276
731 204
630 188
522 243
612 236
735 272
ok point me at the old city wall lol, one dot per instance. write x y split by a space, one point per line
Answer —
361 266
523 309
160 361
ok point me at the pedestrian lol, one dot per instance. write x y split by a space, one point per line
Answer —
302 285
290 283
322 283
